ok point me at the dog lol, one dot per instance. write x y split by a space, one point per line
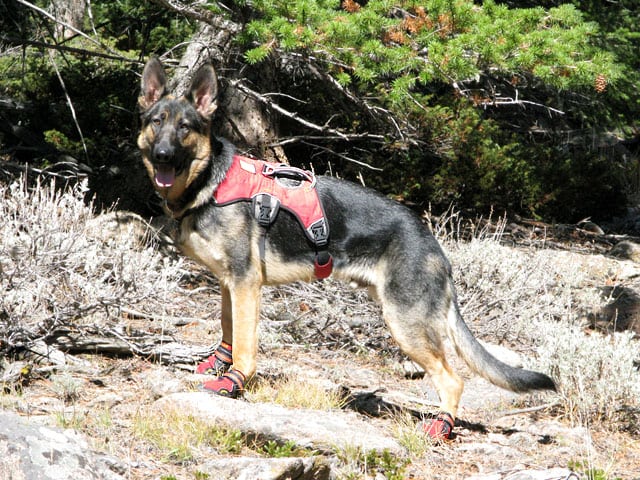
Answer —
374 242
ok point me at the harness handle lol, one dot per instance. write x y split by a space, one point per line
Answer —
282 170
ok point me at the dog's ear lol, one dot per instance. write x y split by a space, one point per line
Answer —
154 81
203 93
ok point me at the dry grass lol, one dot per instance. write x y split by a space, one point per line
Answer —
182 438
294 392
540 298
58 265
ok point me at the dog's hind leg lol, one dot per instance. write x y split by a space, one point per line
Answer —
426 349
424 346
415 307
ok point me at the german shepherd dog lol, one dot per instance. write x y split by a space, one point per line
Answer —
374 241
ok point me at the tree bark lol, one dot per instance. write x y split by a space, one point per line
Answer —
69 12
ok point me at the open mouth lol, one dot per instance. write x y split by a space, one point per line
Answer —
165 175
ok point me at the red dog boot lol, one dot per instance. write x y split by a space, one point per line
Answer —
218 363
230 384
439 428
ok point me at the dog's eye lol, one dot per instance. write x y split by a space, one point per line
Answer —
184 127
157 121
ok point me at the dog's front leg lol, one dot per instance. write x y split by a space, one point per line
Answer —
222 359
226 319
240 314
245 311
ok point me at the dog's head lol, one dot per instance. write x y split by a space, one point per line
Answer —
175 136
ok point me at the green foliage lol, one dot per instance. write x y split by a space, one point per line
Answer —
484 104
273 449
401 54
373 464
434 41
590 472
143 28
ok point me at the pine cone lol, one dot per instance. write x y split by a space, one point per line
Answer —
600 83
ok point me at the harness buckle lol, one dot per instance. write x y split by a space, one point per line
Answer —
265 208
319 232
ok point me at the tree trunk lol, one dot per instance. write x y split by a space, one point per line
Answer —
239 118
68 13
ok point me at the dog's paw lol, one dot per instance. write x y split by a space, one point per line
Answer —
218 363
440 428
230 384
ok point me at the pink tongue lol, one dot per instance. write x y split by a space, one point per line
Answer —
165 175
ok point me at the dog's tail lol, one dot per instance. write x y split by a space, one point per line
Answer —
486 365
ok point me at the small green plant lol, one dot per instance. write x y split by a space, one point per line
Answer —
73 420
590 472
361 465
275 449
66 387
410 436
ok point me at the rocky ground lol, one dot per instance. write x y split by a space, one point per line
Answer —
498 436
331 339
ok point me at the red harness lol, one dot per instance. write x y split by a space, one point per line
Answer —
271 186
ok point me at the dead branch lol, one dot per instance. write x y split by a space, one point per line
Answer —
264 99
495 99
64 48
336 134
174 321
111 341
66 25
199 14
69 103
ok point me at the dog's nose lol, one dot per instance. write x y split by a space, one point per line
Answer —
163 152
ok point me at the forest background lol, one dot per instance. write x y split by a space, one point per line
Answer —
528 108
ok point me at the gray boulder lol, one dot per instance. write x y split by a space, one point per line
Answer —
34 452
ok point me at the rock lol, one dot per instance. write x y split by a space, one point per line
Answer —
590 226
29 451
551 474
106 400
626 250
161 382
318 430
249 468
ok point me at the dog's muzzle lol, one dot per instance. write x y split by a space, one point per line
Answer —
164 160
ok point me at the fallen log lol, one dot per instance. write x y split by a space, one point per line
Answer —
110 341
